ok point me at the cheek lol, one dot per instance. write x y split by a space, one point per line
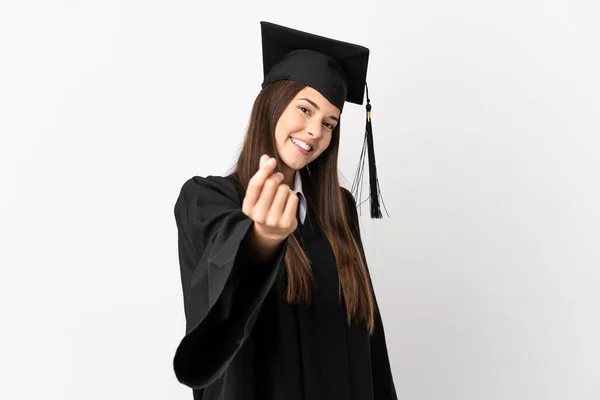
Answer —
326 141
282 130
292 122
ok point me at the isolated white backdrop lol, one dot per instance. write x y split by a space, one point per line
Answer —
486 132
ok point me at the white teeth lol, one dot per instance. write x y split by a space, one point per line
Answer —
302 144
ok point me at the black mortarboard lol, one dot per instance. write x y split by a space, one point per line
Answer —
336 69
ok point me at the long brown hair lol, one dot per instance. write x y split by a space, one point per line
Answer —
324 196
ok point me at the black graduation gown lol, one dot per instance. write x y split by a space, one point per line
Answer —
243 341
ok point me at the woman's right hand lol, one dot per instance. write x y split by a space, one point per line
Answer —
270 203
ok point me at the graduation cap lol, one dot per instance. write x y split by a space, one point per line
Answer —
336 69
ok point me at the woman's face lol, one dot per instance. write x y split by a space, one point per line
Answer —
309 118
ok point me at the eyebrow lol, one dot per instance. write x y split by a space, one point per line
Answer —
317 107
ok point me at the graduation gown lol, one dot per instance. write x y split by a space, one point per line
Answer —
243 341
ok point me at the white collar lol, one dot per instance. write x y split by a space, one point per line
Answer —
298 189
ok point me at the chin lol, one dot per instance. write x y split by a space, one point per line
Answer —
294 160
294 163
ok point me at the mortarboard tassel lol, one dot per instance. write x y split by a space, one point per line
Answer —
368 146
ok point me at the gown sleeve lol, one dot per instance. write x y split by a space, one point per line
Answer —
383 381
222 292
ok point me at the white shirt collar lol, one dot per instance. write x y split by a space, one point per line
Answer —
298 189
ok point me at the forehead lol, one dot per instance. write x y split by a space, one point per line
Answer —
318 98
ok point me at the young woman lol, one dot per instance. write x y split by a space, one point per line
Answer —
277 293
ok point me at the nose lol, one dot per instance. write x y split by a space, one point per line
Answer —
314 128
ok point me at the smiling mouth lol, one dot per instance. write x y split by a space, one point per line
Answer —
302 145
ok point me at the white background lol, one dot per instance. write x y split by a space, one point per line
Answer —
486 123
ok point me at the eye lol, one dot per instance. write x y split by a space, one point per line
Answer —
307 112
303 109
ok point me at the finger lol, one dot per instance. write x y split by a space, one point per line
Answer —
278 206
261 210
256 183
262 161
291 208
